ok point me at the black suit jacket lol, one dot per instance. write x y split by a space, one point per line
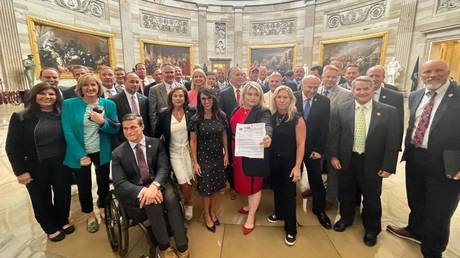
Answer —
68 92
381 151
147 88
259 167
227 101
290 84
126 175
164 124
123 108
394 99
391 87
317 122
445 126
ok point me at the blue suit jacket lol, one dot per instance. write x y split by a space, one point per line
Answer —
73 113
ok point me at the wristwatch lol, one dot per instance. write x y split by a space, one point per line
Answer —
155 183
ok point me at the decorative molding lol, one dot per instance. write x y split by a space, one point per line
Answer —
356 15
94 8
447 5
220 35
162 23
274 28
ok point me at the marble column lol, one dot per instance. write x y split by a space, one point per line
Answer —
10 50
202 34
238 42
127 37
404 40
309 30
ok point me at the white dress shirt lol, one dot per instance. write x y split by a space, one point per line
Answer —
234 92
109 92
440 92
136 101
377 94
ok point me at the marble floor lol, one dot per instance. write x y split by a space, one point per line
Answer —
20 235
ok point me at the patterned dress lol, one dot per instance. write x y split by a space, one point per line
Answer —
210 155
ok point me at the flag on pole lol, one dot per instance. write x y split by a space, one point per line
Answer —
414 76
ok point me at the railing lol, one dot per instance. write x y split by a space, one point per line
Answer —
10 97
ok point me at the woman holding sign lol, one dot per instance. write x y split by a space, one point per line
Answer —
287 150
248 173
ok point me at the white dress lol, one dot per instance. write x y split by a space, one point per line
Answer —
179 151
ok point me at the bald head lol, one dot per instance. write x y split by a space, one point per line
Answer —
310 85
434 74
377 75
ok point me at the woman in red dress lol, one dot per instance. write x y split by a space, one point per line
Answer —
248 173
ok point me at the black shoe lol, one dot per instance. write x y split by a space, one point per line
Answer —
370 239
340 226
57 238
217 222
68 230
324 220
273 218
212 228
290 239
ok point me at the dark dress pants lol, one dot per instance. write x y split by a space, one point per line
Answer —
50 194
316 184
84 183
155 214
432 199
284 192
371 186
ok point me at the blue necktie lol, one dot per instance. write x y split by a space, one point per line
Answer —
306 109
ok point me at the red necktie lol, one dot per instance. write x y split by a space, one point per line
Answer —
238 96
422 126
142 164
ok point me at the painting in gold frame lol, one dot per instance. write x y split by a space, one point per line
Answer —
155 53
61 46
365 50
279 57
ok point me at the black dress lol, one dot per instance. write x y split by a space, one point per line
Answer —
210 155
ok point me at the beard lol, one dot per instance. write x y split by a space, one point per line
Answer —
433 86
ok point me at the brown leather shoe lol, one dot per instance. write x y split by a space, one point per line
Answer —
402 233
185 254
168 253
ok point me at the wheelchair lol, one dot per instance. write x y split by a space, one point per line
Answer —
117 223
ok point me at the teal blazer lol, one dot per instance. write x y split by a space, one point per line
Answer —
73 113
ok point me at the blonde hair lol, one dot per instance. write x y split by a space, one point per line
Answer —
198 70
291 109
249 86
84 80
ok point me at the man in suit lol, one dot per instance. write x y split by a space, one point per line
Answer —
299 73
377 74
158 95
316 70
316 112
263 74
432 132
339 64
351 73
364 139
77 71
108 82
336 96
141 71
274 81
179 77
140 170
120 75
221 81
158 79
131 101
288 80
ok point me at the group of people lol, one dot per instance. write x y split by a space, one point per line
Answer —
170 134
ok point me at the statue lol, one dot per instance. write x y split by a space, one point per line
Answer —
393 69
29 69
205 68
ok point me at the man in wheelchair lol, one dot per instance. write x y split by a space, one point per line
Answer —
140 171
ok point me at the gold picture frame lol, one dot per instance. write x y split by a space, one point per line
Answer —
59 45
259 54
154 53
364 50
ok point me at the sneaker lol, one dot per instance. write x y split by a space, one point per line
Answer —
188 212
290 240
273 218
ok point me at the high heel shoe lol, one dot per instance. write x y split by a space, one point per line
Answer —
217 222
247 231
212 228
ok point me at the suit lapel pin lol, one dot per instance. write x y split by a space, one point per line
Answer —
450 95
384 97
378 113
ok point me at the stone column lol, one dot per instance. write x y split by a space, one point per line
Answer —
404 40
202 34
10 50
238 43
309 31
127 38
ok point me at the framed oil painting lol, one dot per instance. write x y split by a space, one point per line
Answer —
365 51
62 46
275 57
156 53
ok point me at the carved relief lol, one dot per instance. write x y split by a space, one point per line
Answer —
164 24
273 28
447 5
372 11
220 35
90 7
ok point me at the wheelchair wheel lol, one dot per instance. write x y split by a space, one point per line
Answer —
116 227
124 232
